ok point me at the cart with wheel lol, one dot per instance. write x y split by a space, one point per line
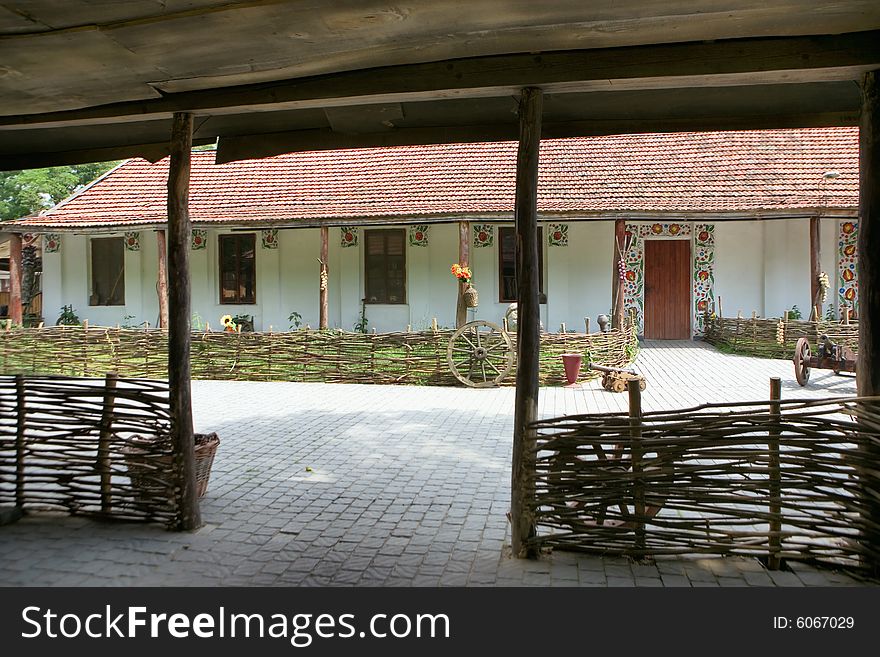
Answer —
829 356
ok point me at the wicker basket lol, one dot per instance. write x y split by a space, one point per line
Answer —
471 298
150 482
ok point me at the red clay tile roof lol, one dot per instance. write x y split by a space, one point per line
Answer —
721 172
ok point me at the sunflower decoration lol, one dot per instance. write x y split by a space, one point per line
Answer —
229 324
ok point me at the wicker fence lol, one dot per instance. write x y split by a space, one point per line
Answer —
323 356
87 446
775 338
800 484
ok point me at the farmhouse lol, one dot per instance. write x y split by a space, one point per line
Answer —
695 217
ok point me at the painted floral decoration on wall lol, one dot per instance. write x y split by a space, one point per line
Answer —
418 235
484 235
269 238
847 263
199 239
704 274
349 236
557 234
132 241
51 243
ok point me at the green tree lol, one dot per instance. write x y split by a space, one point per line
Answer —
23 193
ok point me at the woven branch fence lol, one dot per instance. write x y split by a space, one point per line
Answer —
306 355
97 447
802 483
761 336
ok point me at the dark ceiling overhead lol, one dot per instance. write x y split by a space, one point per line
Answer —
83 80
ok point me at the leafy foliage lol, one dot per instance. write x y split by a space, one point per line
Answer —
68 317
362 325
23 193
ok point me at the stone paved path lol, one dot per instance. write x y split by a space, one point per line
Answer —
319 484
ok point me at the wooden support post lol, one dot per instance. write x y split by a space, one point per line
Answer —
775 478
104 439
15 274
528 323
179 304
20 446
616 280
323 322
868 367
815 264
635 433
162 279
464 251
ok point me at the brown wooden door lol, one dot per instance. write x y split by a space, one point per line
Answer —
667 289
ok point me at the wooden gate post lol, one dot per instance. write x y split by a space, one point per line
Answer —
635 434
774 475
522 489
104 438
179 312
20 428
868 368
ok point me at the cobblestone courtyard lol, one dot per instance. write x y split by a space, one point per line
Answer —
319 484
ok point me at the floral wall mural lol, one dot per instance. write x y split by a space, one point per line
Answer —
269 238
132 241
847 263
484 235
704 274
348 237
418 235
557 234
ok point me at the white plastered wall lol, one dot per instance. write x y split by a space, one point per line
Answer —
764 266
760 266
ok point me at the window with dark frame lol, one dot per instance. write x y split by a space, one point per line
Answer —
385 266
238 271
108 272
507 265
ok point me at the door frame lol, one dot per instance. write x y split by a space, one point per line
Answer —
690 309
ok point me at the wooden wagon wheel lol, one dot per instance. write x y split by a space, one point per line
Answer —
595 512
802 361
480 354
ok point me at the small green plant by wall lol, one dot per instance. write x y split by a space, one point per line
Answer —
68 317
362 325
296 321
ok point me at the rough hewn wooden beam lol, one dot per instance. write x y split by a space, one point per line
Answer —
680 65
162 278
464 258
868 368
15 276
616 282
256 145
522 488
869 238
815 267
179 312
323 282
